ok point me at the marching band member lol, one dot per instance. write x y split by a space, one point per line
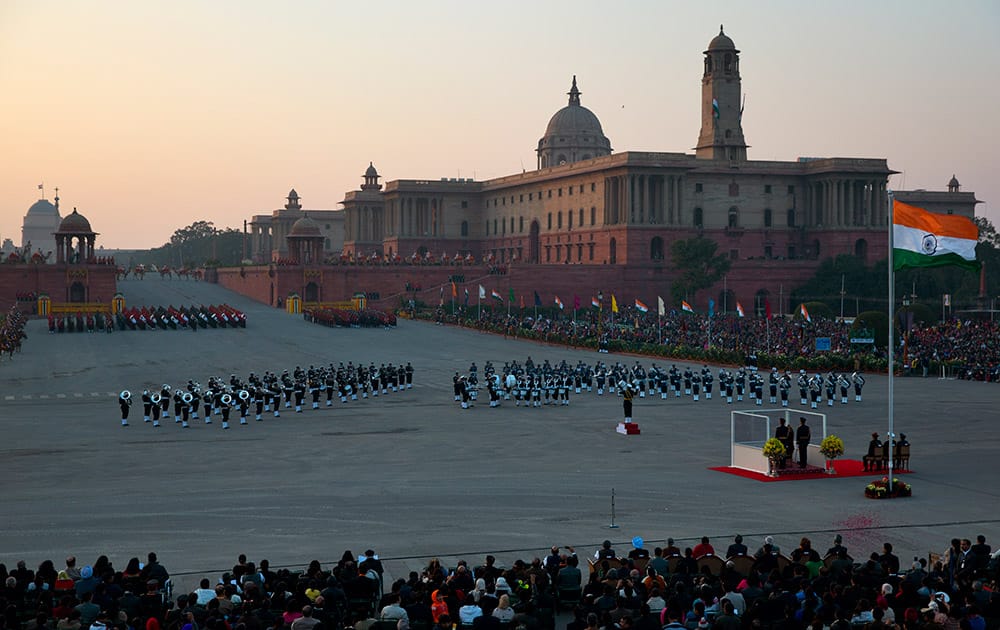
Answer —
300 394
258 399
741 384
758 387
784 385
803 383
694 382
815 390
845 384
185 403
687 381
706 381
225 404
772 382
409 375
859 382
155 408
244 402
147 405
627 394
831 388
125 403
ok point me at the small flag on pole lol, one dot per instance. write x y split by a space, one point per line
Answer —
466 296
711 308
522 301
739 310
576 302
639 306
614 304
482 292
661 308
495 295
947 299
804 312
510 294
41 187
538 299
454 289
767 308
559 303
594 302
686 307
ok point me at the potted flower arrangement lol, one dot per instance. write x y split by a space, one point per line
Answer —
883 489
774 451
831 448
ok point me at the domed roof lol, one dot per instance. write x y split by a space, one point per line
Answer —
75 223
371 172
305 227
721 42
43 207
953 183
574 119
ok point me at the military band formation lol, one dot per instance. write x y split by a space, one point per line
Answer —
268 393
534 385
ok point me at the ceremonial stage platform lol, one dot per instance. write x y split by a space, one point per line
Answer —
412 475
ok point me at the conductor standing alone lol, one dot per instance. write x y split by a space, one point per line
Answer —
802 436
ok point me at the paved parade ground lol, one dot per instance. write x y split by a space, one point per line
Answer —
413 476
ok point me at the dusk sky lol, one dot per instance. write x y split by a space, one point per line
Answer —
151 115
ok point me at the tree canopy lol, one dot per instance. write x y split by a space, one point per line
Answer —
698 266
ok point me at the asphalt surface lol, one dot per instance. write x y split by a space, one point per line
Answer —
413 476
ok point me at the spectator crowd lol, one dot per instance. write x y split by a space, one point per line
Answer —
697 588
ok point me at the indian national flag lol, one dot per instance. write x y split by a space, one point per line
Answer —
559 303
740 311
686 307
804 312
715 108
495 295
639 306
595 303
927 239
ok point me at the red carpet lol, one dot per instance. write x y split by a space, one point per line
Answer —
844 468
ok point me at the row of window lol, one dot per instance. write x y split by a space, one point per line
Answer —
500 226
734 218
734 189
502 201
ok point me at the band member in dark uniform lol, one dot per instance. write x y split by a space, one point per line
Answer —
258 399
225 404
706 381
125 403
785 384
845 384
859 382
786 436
154 398
772 383
802 437
803 383
147 405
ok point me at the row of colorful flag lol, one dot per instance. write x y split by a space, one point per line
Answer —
639 304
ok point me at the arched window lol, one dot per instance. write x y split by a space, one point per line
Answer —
726 301
728 63
861 249
656 248
791 217
465 228
698 218
734 217
561 160
767 217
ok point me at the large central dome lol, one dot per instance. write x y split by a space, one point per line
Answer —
574 133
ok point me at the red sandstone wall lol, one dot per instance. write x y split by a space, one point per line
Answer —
55 280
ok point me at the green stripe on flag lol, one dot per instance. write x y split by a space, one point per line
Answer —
906 259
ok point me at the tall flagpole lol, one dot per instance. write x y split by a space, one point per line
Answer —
892 324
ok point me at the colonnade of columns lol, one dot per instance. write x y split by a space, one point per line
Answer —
414 216
639 199
839 202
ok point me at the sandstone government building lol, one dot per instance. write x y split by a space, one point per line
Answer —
590 219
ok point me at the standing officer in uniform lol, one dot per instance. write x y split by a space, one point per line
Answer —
786 436
802 436
627 394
